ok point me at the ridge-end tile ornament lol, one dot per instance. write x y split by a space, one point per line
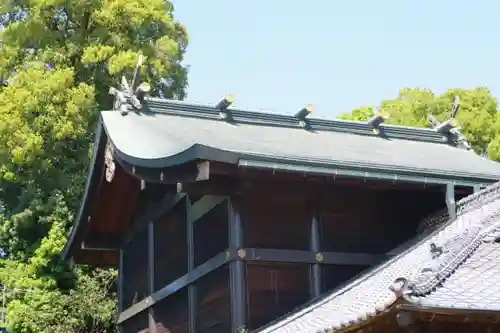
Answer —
450 129
109 163
130 95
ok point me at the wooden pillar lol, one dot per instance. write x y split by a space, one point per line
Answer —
120 287
190 256
315 275
120 282
151 274
237 272
450 200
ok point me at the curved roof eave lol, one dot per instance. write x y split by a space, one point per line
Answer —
159 141
338 168
92 182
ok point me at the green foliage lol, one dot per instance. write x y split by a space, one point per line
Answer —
478 116
359 114
58 59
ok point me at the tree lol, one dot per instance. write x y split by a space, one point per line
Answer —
478 116
58 58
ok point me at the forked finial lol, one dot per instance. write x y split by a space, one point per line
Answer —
449 129
455 106
133 94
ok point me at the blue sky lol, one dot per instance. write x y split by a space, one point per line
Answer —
279 55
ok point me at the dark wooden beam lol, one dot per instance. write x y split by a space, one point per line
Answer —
233 181
192 214
237 268
277 255
151 274
216 185
270 175
240 255
357 259
97 258
309 257
185 280
315 275
120 283
102 242
187 172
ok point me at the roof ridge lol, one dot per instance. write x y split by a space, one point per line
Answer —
259 117
478 199
447 257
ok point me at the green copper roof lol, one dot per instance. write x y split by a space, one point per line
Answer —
169 133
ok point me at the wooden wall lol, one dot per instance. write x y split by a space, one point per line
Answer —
371 221
170 247
171 315
351 220
211 235
275 289
135 268
213 312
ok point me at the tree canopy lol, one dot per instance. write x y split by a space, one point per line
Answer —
478 116
58 58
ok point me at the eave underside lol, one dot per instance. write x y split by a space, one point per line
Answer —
115 200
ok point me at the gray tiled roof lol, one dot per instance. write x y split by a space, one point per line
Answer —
175 133
462 258
474 285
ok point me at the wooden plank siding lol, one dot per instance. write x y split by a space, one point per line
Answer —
277 222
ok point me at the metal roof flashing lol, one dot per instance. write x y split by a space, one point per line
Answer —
256 117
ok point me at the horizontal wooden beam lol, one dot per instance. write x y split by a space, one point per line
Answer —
356 259
249 255
273 175
97 258
200 271
276 255
187 172
216 185
307 257
102 242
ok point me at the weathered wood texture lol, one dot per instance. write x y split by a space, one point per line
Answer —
135 269
171 315
170 247
213 313
211 234
275 289
351 219
112 210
